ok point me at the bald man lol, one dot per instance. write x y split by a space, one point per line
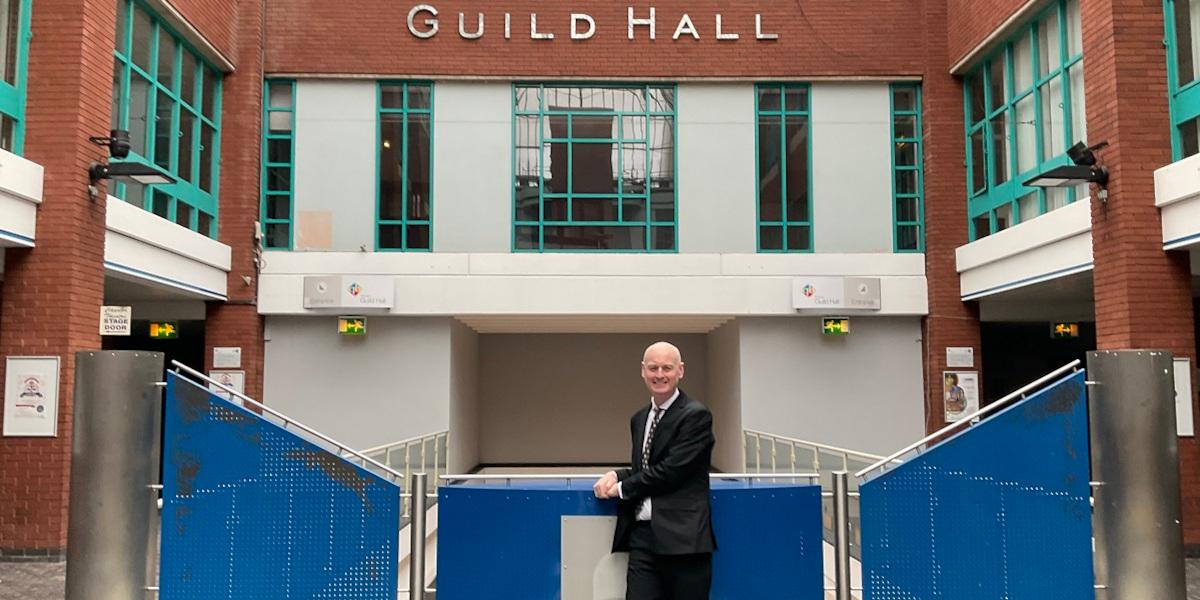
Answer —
664 520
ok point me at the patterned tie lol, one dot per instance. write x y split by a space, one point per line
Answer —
658 413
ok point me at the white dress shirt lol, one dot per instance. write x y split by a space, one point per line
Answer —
644 510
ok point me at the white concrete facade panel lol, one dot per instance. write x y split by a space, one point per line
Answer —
1177 195
20 193
142 246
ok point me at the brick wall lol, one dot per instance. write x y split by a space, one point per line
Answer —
817 37
1143 295
216 20
52 293
970 22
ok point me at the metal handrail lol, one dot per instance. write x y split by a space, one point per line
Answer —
550 476
342 448
405 442
973 417
816 445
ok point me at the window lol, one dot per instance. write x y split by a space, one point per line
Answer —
908 185
168 98
594 168
404 210
784 187
14 52
1024 107
278 151
1182 18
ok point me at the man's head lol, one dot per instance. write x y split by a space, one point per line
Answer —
662 368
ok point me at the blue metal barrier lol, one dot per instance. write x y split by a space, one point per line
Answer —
253 511
1000 510
506 541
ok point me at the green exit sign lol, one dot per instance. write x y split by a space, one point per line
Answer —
835 326
352 325
165 330
1063 331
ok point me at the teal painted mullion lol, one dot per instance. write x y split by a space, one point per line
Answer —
404 170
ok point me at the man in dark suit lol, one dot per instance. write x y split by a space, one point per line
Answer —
664 520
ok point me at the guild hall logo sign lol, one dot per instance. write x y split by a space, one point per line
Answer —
424 23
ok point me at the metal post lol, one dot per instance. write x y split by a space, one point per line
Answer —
841 534
114 471
416 556
1135 467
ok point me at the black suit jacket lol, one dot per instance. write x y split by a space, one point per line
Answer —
676 480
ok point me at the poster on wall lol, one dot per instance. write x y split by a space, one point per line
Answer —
960 394
31 396
234 380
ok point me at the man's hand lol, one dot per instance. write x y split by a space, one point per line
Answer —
606 486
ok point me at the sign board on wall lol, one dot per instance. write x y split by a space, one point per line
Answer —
227 358
31 396
1183 397
349 291
836 293
235 380
958 357
116 320
960 394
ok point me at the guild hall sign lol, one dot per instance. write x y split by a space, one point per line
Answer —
424 23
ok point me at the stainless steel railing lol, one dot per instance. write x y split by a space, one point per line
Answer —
422 454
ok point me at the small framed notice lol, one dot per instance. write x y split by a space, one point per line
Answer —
963 357
235 380
227 358
31 396
1183 397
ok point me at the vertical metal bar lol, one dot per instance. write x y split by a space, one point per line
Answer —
845 461
816 459
841 534
757 453
1135 461
774 449
792 466
416 556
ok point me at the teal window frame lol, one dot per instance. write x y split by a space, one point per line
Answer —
1184 96
997 195
404 222
899 142
188 193
271 225
12 95
787 222
650 224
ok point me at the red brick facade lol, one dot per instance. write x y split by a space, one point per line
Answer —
971 22
219 20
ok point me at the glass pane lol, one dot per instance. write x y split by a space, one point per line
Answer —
166 60
187 78
391 236
770 170
1022 64
187 137
139 90
1189 133
799 237
593 126
1029 206
418 97
391 95
117 80
906 210
204 223
279 150
795 98
662 238
183 214
594 237
279 179
1056 197
975 92
662 207
418 237
143 33
1053 127
10 28
978 164
592 168
1004 217
527 99
908 237
905 127
633 128
8 133
122 21
1025 132
633 168
554 167
662 100
1078 105
210 94
418 169
769 99
797 168
279 122
163 132
633 209
983 226
594 209
906 182
391 168
1074 30
610 99
527 238
904 99
662 154
279 207
1187 39
528 154
1083 191
996 83
1049 49
770 237
906 154
160 204
278 235
279 94
554 209
999 149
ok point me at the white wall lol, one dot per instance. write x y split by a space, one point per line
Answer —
568 398
861 392
392 384
335 164
717 177
472 167
725 394
464 399
851 167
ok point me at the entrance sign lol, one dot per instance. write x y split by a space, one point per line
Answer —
31 396
836 293
116 320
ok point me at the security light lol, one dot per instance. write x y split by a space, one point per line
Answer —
1084 169
117 142
129 171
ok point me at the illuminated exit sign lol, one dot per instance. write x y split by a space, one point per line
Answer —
835 326
352 325
166 330
1062 331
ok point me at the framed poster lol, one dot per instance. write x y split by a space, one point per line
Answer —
31 396
1183 397
960 394
235 380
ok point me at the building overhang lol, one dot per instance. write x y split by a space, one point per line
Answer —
176 262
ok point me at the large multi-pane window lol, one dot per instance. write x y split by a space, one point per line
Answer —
278 176
169 100
14 52
594 168
405 169
784 185
1024 109
1182 18
908 185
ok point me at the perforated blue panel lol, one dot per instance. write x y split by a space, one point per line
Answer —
998 511
253 511
505 542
